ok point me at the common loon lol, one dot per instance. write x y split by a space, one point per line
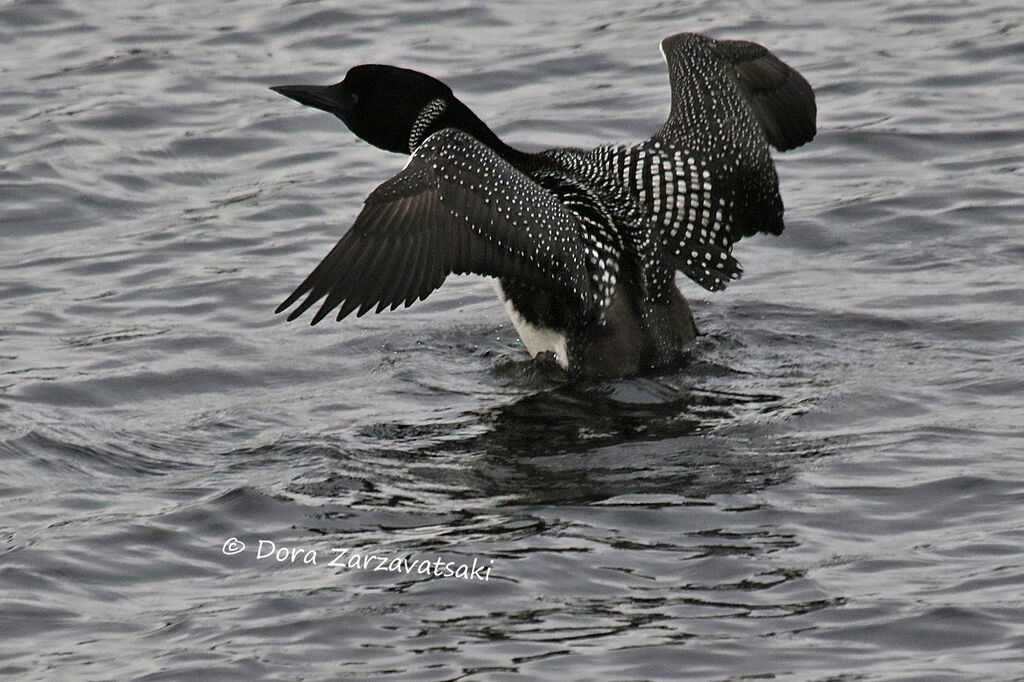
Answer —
584 244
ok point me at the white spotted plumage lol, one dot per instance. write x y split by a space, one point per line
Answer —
424 119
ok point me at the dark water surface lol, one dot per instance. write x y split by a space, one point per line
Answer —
833 489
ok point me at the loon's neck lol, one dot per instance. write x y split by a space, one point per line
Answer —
462 117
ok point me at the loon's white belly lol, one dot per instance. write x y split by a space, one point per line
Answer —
536 339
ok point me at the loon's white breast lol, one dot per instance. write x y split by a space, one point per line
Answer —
536 339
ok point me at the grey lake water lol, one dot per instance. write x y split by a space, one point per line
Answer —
831 489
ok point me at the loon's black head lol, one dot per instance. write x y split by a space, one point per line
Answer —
392 108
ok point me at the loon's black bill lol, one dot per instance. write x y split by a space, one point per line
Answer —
329 98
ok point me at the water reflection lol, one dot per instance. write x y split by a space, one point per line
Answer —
566 443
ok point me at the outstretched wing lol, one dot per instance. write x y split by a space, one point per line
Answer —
782 99
724 84
457 207
707 178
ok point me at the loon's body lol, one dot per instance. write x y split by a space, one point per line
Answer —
584 244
